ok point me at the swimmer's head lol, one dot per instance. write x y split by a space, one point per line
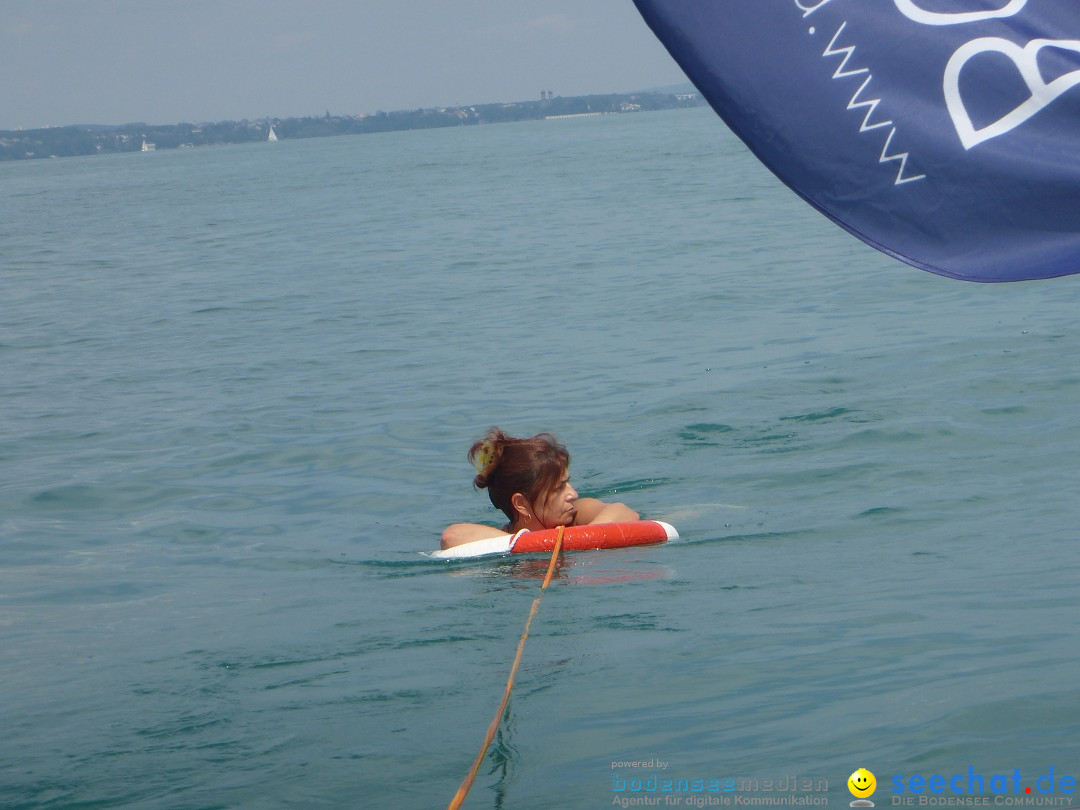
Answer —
535 467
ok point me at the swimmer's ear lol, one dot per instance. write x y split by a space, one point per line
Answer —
521 505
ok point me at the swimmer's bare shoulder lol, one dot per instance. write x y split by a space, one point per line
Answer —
458 533
593 510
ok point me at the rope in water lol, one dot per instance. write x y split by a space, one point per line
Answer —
463 791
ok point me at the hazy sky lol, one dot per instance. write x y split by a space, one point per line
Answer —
167 61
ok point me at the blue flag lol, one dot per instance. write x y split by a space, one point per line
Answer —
945 133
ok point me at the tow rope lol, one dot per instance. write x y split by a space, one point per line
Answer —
463 791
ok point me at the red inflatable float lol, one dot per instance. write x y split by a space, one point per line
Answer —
575 538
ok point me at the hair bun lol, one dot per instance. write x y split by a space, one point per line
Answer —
485 456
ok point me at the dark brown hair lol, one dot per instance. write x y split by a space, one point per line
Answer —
534 467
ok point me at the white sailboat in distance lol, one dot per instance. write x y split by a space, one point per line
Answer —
273 135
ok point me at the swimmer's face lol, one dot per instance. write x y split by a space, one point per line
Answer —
861 783
559 507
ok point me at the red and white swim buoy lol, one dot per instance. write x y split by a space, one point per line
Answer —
575 538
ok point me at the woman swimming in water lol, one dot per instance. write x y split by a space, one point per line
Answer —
529 480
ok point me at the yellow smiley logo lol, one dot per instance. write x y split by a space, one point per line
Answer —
862 783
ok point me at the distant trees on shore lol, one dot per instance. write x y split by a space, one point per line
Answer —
72 141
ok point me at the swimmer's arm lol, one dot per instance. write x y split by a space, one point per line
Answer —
460 533
591 510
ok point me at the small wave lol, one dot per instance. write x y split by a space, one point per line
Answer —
634 485
817 416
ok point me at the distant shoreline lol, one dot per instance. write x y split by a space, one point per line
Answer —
97 139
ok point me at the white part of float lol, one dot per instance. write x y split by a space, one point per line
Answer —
500 544
672 532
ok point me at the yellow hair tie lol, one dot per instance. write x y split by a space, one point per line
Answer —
484 456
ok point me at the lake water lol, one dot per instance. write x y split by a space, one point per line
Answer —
238 388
